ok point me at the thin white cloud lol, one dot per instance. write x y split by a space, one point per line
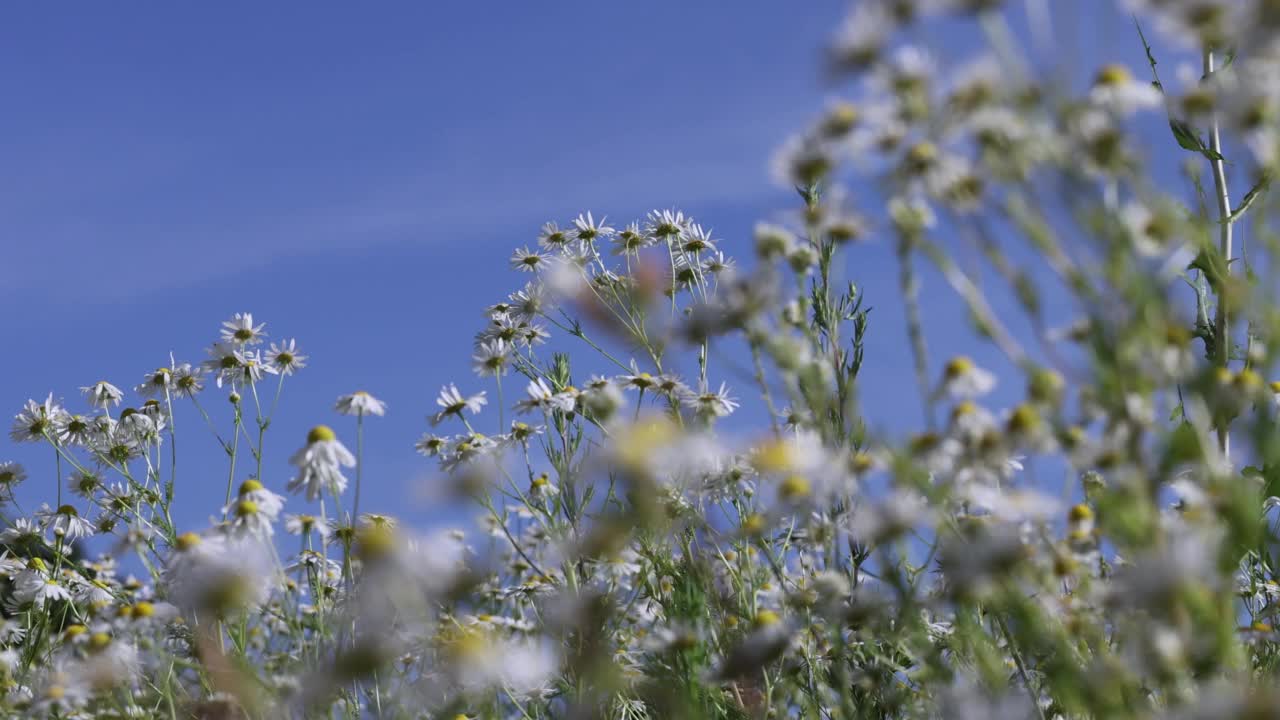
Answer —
709 162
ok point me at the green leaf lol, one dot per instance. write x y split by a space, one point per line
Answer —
1189 139
1254 193
1184 446
1186 136
1209 261
1268 476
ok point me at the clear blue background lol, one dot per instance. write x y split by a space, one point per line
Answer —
357 176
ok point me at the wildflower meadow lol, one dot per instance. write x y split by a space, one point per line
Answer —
675 500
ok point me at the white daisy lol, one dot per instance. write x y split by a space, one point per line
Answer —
862 36
1013 505
711 404
226 360
486 660
253 368
542 397
155 382
963 380
431 445
541 487
466 449
303 524
93 593
637 380
219 574
115 443
1153 233
285 357
65 522
254 510
528 302
696 240
378 521
316 564
717 264
528 260
73 429
145 428
553 238
452 402
360 403
320 464
664 225
768 640
1115 88
187 380
630 240
36 421
587 230
35 586
11 473
23 531
491 358
61 693
601 398
102 394
240 330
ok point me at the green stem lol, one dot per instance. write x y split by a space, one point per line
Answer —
1222 330
355 505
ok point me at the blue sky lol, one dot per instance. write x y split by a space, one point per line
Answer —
356 176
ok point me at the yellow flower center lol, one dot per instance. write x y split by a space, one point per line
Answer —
1024 419
958 367
321 433
1247 379
773 456
375 541
794 487
842 118
863 462
922 155
766 618
1113 75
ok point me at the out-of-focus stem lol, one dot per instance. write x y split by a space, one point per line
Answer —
1221 329
910 287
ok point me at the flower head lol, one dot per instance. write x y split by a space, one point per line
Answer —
102 394
360 403
285 358
452 402
37 421
240 330
320 464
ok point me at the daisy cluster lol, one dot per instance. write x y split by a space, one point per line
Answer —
687 504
